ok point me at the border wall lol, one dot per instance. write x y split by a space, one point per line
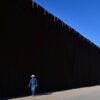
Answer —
34 41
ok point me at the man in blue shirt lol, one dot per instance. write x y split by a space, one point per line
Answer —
33 84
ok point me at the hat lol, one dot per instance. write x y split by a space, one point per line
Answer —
32 75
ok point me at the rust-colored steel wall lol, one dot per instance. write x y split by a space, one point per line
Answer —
35 42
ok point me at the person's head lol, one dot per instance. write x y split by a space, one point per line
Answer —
32 76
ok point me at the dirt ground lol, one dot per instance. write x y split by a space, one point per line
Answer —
88 93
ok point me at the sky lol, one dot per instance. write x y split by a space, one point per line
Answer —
82 15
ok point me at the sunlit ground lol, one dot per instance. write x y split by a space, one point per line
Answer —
88 93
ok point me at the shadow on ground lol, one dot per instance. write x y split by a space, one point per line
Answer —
21 96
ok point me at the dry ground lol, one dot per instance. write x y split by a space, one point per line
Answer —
88 93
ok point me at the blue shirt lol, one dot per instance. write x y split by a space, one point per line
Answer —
33 82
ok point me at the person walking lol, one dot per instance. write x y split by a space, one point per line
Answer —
33 84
